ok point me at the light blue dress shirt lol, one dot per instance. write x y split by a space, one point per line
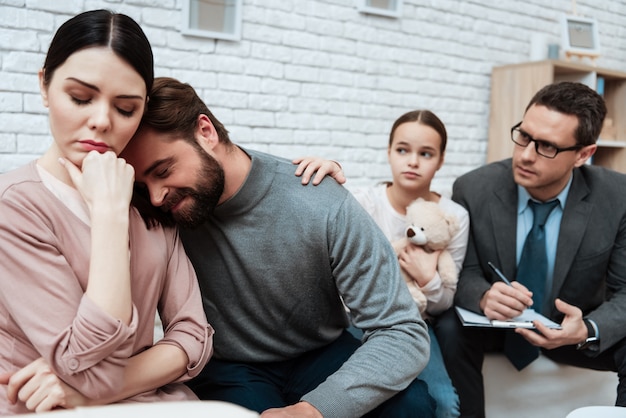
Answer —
552 227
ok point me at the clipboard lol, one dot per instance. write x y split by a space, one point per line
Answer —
525 320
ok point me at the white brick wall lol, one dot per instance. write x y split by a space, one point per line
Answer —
314 76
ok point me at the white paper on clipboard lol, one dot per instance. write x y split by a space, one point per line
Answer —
525 320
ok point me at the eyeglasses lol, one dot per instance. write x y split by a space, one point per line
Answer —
543 148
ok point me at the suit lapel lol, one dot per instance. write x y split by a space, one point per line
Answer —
576 216
503 212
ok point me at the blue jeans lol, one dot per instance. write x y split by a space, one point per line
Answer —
260 386
439 384
436 376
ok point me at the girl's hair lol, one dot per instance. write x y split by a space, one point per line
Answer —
106 29
425 117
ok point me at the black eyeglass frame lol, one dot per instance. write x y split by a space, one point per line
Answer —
539 141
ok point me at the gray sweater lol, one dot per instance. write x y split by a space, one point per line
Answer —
274 264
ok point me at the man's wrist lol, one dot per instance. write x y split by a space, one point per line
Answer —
592 342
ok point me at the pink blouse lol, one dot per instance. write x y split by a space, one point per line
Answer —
44 267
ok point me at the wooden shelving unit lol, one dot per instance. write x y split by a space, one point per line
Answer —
512 87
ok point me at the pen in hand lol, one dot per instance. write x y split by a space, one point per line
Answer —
499 273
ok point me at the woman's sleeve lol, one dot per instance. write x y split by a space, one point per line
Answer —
181 310
45 302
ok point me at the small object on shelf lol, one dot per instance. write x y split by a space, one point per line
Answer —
600 85
580 37
553 51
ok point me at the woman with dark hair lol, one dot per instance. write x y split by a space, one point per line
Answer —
81 275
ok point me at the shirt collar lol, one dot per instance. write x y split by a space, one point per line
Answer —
523 196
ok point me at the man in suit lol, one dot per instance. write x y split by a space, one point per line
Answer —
584 284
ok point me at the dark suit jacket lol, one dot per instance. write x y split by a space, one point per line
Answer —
590 266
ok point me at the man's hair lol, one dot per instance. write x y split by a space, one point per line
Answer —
174 108
578 100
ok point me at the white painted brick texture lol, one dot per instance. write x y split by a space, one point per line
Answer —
314 76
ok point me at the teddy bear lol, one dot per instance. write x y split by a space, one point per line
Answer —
431 228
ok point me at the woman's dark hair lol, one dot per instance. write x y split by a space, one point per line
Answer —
425 117
575 99
101 28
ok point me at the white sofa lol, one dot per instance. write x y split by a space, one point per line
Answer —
544 389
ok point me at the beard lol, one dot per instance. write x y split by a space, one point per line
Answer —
203 196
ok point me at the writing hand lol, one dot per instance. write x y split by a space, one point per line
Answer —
307 166
573 329
504 302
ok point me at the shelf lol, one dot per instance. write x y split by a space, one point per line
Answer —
611 143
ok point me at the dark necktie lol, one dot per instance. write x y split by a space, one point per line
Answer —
531 272
533 264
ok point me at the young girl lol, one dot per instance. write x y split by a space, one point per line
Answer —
417 145
81 275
